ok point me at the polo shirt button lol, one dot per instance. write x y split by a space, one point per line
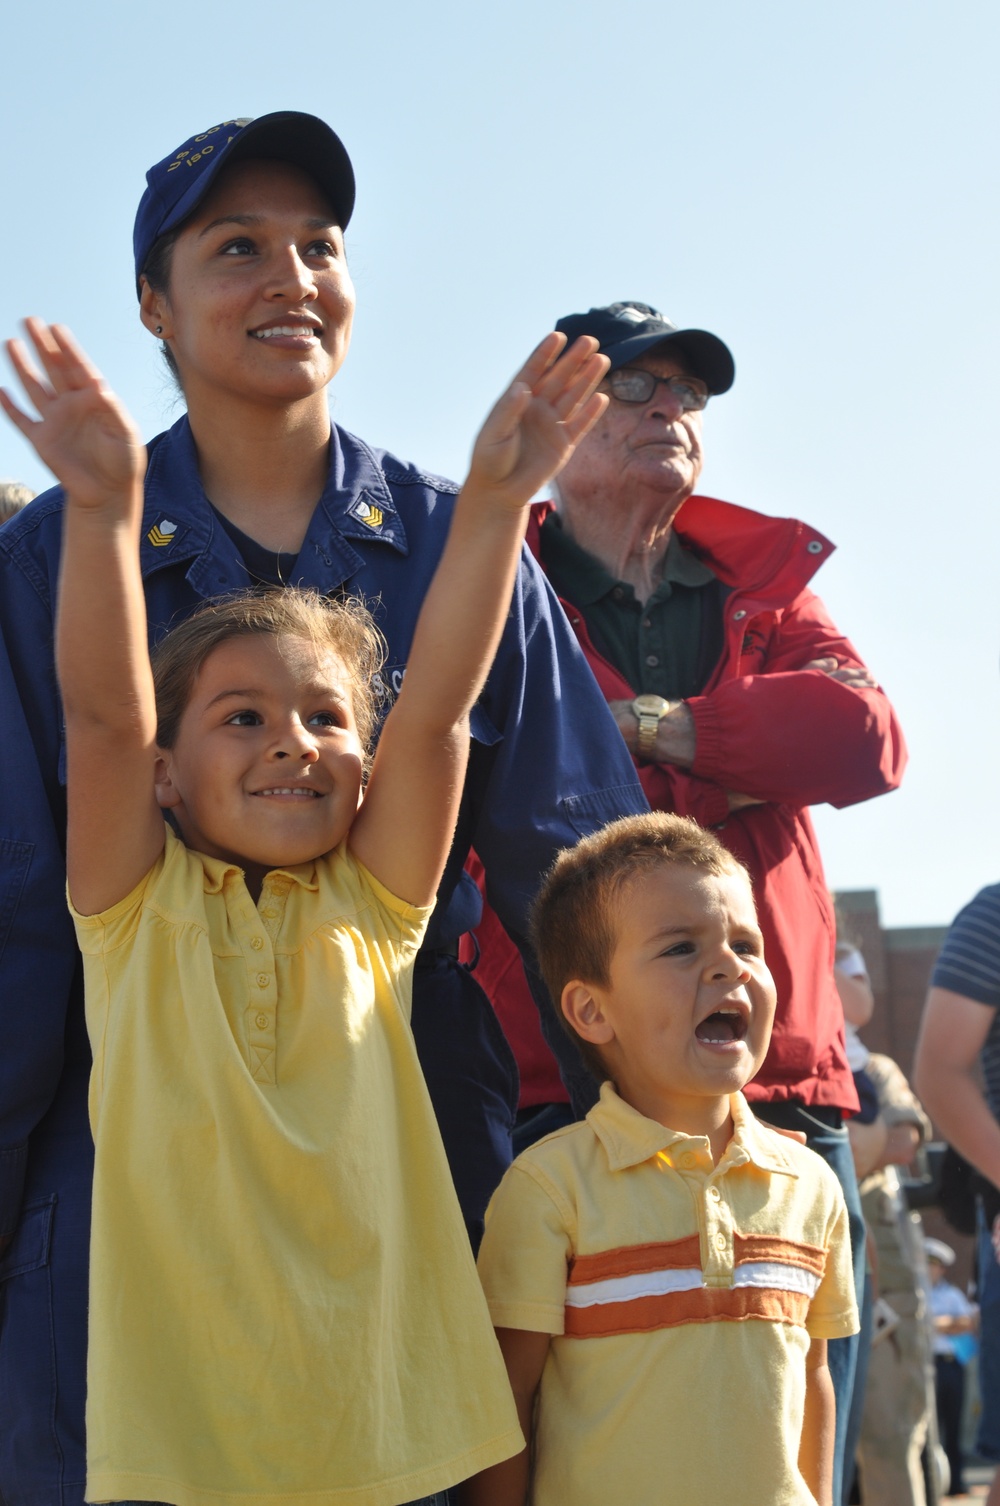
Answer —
263 979
739 616
269 913
714 1194
720 1241
262 1022
652 660
687 1159
256 942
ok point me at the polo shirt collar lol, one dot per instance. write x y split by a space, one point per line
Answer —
629 1138
584 580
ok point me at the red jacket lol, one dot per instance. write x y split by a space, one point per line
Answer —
790 738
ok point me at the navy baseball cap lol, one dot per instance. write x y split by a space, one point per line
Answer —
177 185
627 330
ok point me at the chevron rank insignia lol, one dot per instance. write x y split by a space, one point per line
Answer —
162 533
365 513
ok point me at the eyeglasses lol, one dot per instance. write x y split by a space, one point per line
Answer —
630 385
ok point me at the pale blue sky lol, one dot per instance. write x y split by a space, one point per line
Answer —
815 182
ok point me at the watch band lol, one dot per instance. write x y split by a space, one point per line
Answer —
650 710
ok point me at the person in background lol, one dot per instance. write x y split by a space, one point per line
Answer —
959 1040
898 1391
955 1319
13 496
740 700
243 283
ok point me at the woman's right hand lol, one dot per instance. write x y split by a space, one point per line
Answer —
83 433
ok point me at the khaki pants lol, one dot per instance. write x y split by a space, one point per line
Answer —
897 1411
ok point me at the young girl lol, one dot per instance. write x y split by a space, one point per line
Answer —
283 1304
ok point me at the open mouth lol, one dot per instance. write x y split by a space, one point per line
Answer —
722 1027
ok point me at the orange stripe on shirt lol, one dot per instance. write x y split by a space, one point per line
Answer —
682 1254
706 1305
635 1260
754 1247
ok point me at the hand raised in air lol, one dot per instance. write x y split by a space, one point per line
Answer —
82 433
538 422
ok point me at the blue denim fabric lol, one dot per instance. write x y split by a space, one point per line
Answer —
834 1146
988 1434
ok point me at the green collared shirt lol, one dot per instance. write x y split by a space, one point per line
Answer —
666 647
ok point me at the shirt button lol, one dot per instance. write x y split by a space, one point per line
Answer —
256 942
617 593
687 1159
269 913
263 979
714 1194
720 1241
262 1022
739 616
814 546
652 660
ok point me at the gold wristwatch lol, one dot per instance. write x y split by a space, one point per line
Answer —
650 709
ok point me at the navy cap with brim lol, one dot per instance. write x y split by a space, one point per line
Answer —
628 330
176 186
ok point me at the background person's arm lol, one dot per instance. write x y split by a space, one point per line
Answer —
800 732
953 1031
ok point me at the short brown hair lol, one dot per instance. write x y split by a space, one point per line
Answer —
345 626
574 920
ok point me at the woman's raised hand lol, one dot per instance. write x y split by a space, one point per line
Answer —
541 418
83 433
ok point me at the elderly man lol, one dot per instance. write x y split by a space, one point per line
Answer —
739 699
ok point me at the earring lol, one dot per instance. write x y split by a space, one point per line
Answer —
159 329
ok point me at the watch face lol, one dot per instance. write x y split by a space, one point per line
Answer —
649 705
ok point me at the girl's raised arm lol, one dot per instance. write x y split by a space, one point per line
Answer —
86 438
405 826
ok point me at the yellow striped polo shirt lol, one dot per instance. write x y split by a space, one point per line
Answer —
681 1298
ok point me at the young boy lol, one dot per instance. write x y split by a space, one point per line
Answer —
664 1276
283 1302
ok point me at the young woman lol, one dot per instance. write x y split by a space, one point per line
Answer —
241 276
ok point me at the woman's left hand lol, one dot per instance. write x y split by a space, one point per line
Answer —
541 418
